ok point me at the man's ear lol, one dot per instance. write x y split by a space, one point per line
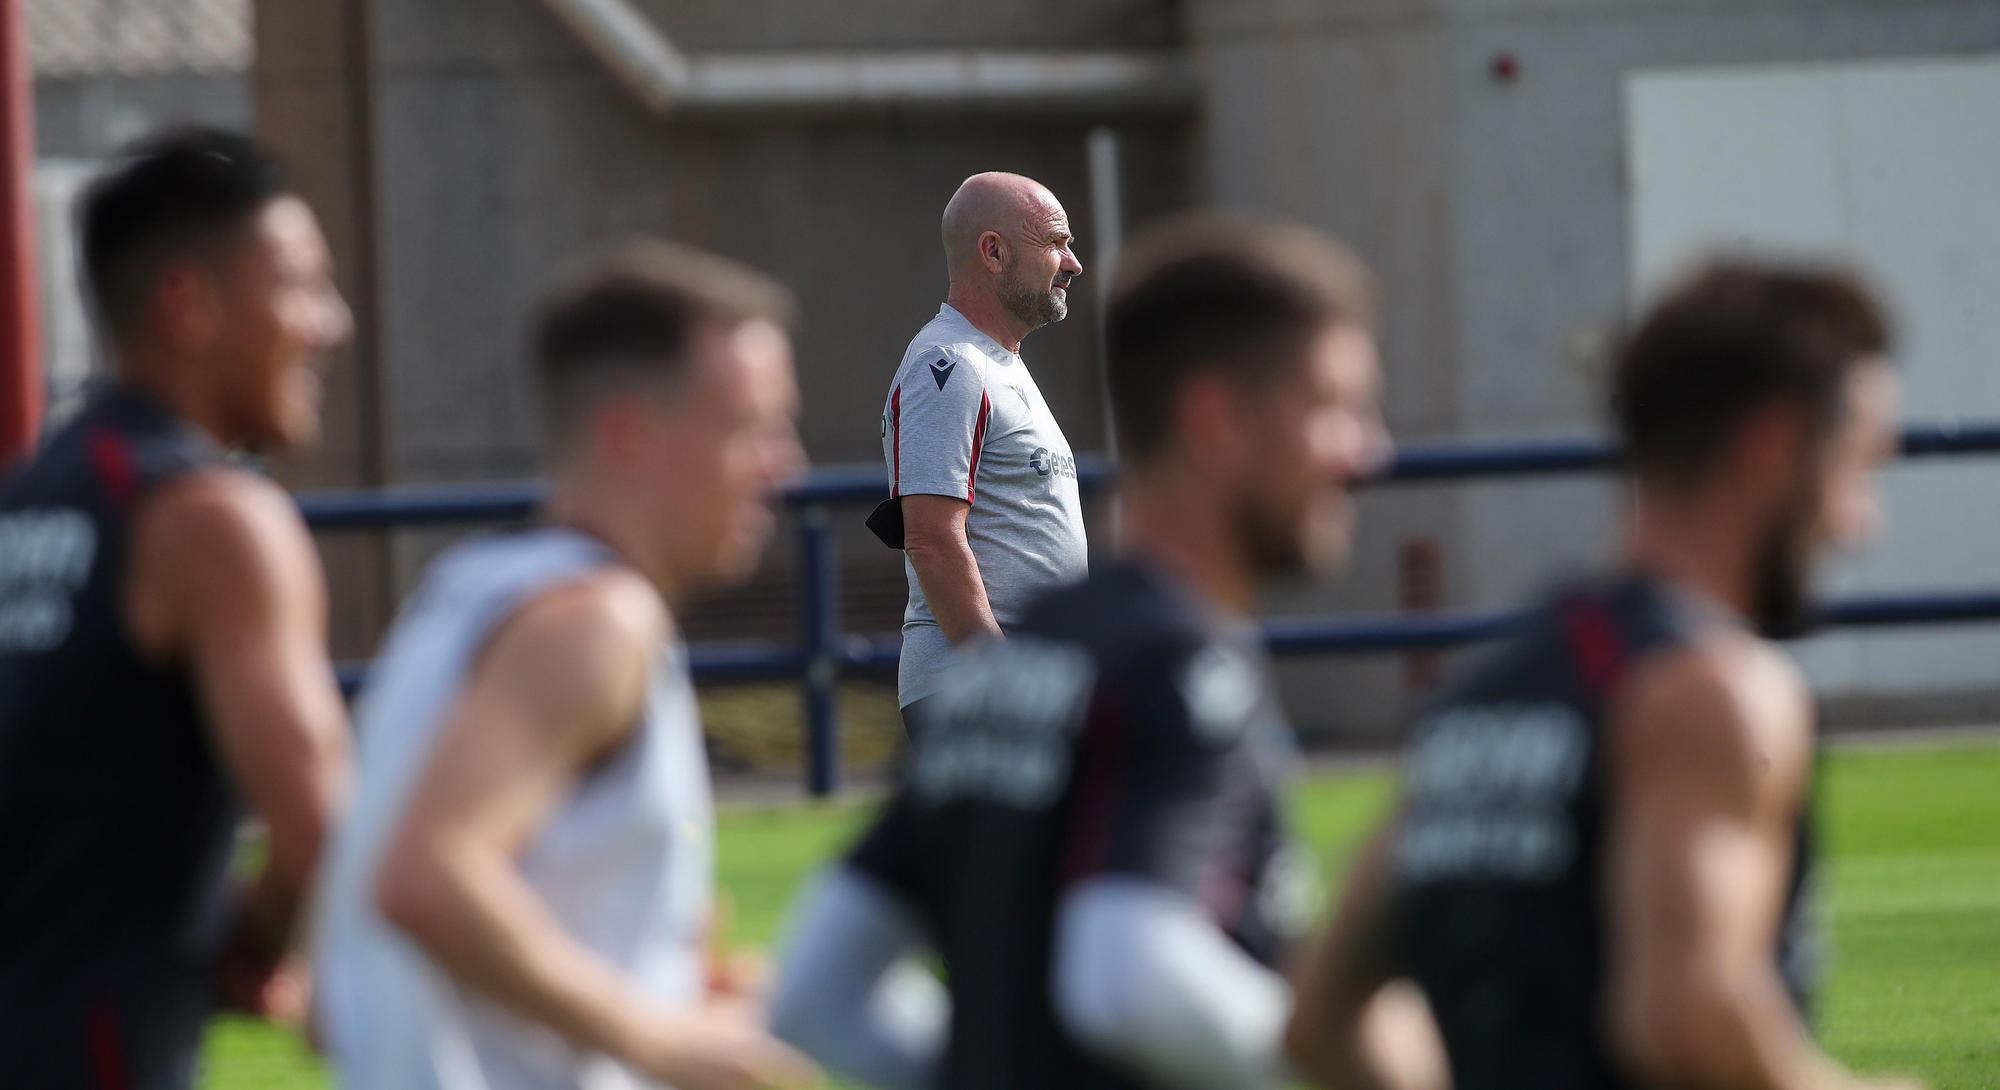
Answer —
619 428
185 303
992 251
1208 419
1771 444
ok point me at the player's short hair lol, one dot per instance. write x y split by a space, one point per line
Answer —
171 196
1221 295
1732 338
625 319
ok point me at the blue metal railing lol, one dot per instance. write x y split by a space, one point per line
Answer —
822 655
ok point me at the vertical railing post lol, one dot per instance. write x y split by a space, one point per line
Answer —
819 648
21 370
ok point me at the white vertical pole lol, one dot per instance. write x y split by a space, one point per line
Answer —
1107 219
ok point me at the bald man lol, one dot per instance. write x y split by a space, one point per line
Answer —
983 496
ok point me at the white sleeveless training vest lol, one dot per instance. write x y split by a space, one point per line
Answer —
626 862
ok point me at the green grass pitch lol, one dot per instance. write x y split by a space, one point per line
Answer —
1913 874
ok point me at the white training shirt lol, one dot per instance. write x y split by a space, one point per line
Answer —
626 863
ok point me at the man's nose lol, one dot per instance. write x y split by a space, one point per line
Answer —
788 463
336 323
1373 453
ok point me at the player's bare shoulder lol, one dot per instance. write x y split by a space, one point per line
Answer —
580 653
213 537
223 507
1729 702
603 621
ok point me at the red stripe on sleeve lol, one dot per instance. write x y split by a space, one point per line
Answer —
896 426
978 441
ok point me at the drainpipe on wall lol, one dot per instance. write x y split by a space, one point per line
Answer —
945 81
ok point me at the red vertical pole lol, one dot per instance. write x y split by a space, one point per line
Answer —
1420 578
21 376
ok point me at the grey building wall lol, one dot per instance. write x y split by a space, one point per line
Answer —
1491 202
89 116
1494 213
501 149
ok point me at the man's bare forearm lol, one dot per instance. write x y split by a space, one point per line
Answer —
1741 1032
1353 1023
480 922
949 574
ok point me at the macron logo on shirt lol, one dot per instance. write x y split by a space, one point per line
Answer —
941 371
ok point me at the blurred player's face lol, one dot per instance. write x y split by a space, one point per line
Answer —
717 452
1311 437
276 314
1833 502
1034 281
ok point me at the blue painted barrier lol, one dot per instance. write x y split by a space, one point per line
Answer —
822 656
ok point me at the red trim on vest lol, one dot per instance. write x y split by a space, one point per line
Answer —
111 457
107 1050
978 441
1595 645
1097 786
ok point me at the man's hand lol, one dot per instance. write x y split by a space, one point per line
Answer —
280 994
1354 1024
721 1047
740 975
734 975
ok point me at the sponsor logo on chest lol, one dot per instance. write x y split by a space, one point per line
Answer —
1048 463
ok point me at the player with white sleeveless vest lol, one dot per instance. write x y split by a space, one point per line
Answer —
524 896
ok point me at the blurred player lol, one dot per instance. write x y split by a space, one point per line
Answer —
524 897
983 491
163 632
1091 833
1599 874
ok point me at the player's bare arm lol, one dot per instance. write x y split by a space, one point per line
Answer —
934 538
1711 758
1353 1025
855 991
559 688
225 579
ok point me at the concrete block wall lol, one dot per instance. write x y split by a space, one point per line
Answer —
1474 152
496 148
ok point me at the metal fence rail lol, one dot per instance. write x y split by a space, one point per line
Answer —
823 655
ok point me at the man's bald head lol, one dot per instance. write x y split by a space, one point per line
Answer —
1006 236
994 201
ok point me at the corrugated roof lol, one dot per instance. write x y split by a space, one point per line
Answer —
138 37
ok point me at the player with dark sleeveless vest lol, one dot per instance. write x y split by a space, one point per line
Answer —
162 634
1599 874
1090 831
